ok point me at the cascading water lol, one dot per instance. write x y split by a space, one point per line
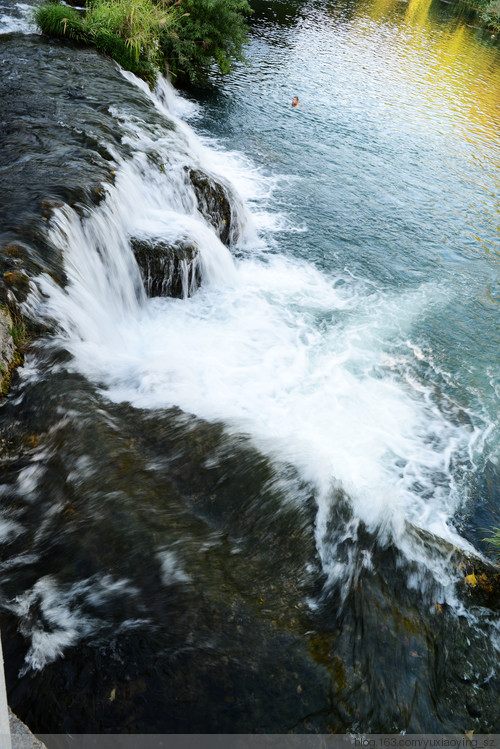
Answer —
278 440
317 369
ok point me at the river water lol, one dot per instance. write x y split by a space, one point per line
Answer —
253 509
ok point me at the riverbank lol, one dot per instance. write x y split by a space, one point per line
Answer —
183 39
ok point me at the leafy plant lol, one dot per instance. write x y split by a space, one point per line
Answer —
185 37
204 32
491 15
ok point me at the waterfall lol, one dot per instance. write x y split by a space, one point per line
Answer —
269 345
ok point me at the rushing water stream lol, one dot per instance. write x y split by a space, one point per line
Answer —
253 508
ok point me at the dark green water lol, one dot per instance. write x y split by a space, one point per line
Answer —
246 511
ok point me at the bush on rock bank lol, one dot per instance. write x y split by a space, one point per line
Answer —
184 38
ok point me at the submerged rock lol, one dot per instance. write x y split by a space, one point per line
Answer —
168 269
216 205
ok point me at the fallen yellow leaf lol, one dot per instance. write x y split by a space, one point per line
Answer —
471 580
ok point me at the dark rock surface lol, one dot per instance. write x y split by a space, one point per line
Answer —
168 269
215 204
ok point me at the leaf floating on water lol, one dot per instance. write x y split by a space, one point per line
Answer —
112 695
414 654
471 580
299 689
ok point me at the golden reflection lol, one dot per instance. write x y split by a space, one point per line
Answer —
456 62
417 12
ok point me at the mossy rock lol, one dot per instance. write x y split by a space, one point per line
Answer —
481 582
215 203
17 280
168 268
9 356
48 206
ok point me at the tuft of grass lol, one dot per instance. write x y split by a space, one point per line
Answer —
137 22
115 47
495 541
111 30
59 21
18 333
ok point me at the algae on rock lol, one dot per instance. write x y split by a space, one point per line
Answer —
7 349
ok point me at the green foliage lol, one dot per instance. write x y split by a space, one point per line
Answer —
59 20
18 333
488 12
114 46
185 37
137 22
495 541
205 31
491 15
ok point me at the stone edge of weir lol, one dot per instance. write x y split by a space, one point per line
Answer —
14 734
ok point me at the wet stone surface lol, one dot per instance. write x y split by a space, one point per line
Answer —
168 269
214 203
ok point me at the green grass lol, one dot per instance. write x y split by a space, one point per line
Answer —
60 21
137 22
18 333
495 541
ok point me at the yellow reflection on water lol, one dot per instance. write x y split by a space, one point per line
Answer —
461 67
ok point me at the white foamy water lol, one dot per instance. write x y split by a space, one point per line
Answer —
320 370
70 611
18 20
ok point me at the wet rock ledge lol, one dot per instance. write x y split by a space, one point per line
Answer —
168 269
173 268
9 355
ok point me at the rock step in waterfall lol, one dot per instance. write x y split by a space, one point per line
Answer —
173 268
